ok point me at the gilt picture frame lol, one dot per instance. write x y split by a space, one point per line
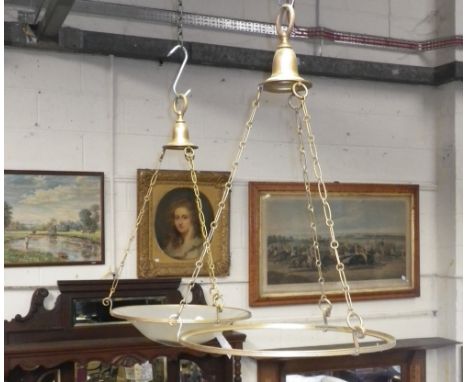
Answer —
53 218
376 226
163 249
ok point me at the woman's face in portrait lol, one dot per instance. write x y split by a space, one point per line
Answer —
182 220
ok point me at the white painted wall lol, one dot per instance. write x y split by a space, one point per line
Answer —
92 113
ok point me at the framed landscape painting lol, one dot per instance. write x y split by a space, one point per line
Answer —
169 239
376 226
53 218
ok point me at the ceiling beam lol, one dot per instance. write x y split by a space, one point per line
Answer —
80 41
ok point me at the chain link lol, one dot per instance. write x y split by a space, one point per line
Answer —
107 301
324 303
215 294
221 205
180 19
322 191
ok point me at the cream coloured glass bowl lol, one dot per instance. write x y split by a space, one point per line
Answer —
155 323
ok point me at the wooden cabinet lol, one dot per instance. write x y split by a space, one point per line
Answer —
408 357
60 344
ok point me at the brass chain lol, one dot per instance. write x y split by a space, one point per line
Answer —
324 303
215 294
221 205
358 330
107 301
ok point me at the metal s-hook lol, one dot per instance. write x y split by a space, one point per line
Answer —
181 69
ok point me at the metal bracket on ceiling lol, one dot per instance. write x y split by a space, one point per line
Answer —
55 13
42 19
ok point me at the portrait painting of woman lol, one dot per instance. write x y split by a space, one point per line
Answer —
177 224
170 239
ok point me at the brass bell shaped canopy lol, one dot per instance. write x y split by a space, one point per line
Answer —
284 69
180 134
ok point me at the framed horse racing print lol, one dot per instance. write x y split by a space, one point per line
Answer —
376 226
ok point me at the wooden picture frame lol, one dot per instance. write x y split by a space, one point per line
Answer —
161 251
376 225
53 218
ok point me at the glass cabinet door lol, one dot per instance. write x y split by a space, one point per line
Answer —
97 371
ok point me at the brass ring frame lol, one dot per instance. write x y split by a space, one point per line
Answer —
386 341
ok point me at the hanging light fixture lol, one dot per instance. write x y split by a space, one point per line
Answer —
163 323
193 325
286 79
